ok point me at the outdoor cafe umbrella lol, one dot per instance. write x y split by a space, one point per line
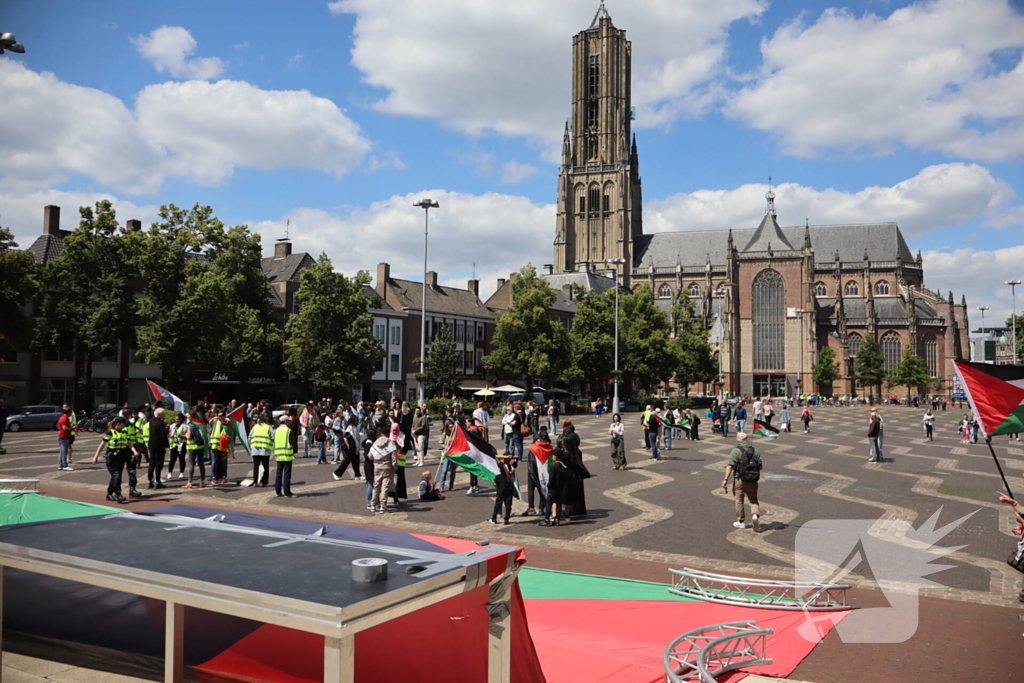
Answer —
483 392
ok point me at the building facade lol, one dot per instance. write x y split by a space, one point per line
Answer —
772 297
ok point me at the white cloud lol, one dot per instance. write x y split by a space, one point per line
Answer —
980 276
939 196
22 212
510 230
925 77
296 60
170 48
209 128
195 130
505 66
384 160
513 172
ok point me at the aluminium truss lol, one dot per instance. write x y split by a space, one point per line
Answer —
735 590
704 653
19 486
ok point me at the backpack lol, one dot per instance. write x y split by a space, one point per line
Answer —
749 466
197 434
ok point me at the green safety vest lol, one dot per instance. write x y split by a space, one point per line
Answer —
215 434
261 437
144 433
283 444
117 439
191 444
74 418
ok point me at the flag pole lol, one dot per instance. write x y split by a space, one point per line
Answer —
988 440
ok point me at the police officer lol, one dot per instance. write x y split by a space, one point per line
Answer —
284 454
121 452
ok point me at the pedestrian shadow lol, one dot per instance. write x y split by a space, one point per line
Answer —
773 526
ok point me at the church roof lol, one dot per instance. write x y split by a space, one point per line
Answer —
881 241
602 13
768 234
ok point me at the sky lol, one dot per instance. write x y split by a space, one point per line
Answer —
327 121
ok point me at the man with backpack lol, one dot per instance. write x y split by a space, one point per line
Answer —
744 469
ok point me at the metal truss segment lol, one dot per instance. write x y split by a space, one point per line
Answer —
703 654
734 590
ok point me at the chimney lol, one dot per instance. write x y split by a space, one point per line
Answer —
383 275
51 220
584 266
567 290
501 282
474 286
549 268
282 248
432 278
133 224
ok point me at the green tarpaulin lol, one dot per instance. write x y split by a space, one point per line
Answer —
547 584
22 508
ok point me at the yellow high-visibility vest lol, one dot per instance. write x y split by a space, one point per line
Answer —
283 444
261 437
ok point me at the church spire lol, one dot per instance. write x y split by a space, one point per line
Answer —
602 13
770 197
634 157
807 234
567 146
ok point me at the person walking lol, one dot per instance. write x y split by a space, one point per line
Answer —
119 454
261 446
540 452
744 470
768 411
506 428
574 496
740 416
482 417
349 454
310 420
723 413
195 445
874 429
694 425
552 417
649 422
64 439
806 417
929 424
504 485
784 419
617 432
384 455
419 435
159 442
284 455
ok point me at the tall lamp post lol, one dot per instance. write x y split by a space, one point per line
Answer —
1013 294
800 382
982 309
616 262
9 42
426 205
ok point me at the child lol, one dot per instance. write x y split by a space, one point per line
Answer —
556 480
806 418
428 490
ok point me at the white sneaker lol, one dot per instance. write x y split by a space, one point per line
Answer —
69 469
739 525
181 475
336 477
756 524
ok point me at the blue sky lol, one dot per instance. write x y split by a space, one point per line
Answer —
336 116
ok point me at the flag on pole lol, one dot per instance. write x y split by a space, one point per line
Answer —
470 452
173 402
996 395
765 429
236 420
541 451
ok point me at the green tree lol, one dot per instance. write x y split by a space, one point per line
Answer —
912 372
18 283
442 363
1020 335
87 306
646 353
329 342
826 370
592 340
528 342
869 368
695 361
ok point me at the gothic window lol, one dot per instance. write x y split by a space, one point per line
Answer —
882 287
820 289
664 292
931 354
607 204
693 289
593 76
769 320
853 342
594 200
892 350
851 289
583 204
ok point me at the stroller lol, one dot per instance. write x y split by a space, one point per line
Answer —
716 428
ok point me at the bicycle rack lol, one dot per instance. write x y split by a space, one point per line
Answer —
704 653
19 486
734 590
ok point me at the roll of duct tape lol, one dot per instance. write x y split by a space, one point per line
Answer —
370 570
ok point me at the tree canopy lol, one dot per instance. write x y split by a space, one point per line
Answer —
592 339
695 361
441 364
869 368
826 371
329 342
646 350
912 372
18 283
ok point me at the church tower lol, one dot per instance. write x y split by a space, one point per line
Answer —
599 201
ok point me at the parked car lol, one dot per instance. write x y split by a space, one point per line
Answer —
282 409
34 417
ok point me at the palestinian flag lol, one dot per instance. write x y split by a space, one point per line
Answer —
236 421
765 429
470 452
685 424
540 451
996 395
161 394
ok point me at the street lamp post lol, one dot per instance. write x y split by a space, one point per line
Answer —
9 42
800 382
615 400
982 309
1013 294
426 205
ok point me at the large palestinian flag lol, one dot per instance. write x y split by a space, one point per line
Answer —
236 419
765 429
540 451
470 452
996 395
173 402
685 424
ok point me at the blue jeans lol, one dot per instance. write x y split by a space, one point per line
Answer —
322 452
667 431
652 441
725 427
337 445
552 426
307 442
739 425
517 445
64 444
507 438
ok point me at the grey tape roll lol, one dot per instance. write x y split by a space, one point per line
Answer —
370 570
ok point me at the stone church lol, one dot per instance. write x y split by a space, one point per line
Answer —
772 296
